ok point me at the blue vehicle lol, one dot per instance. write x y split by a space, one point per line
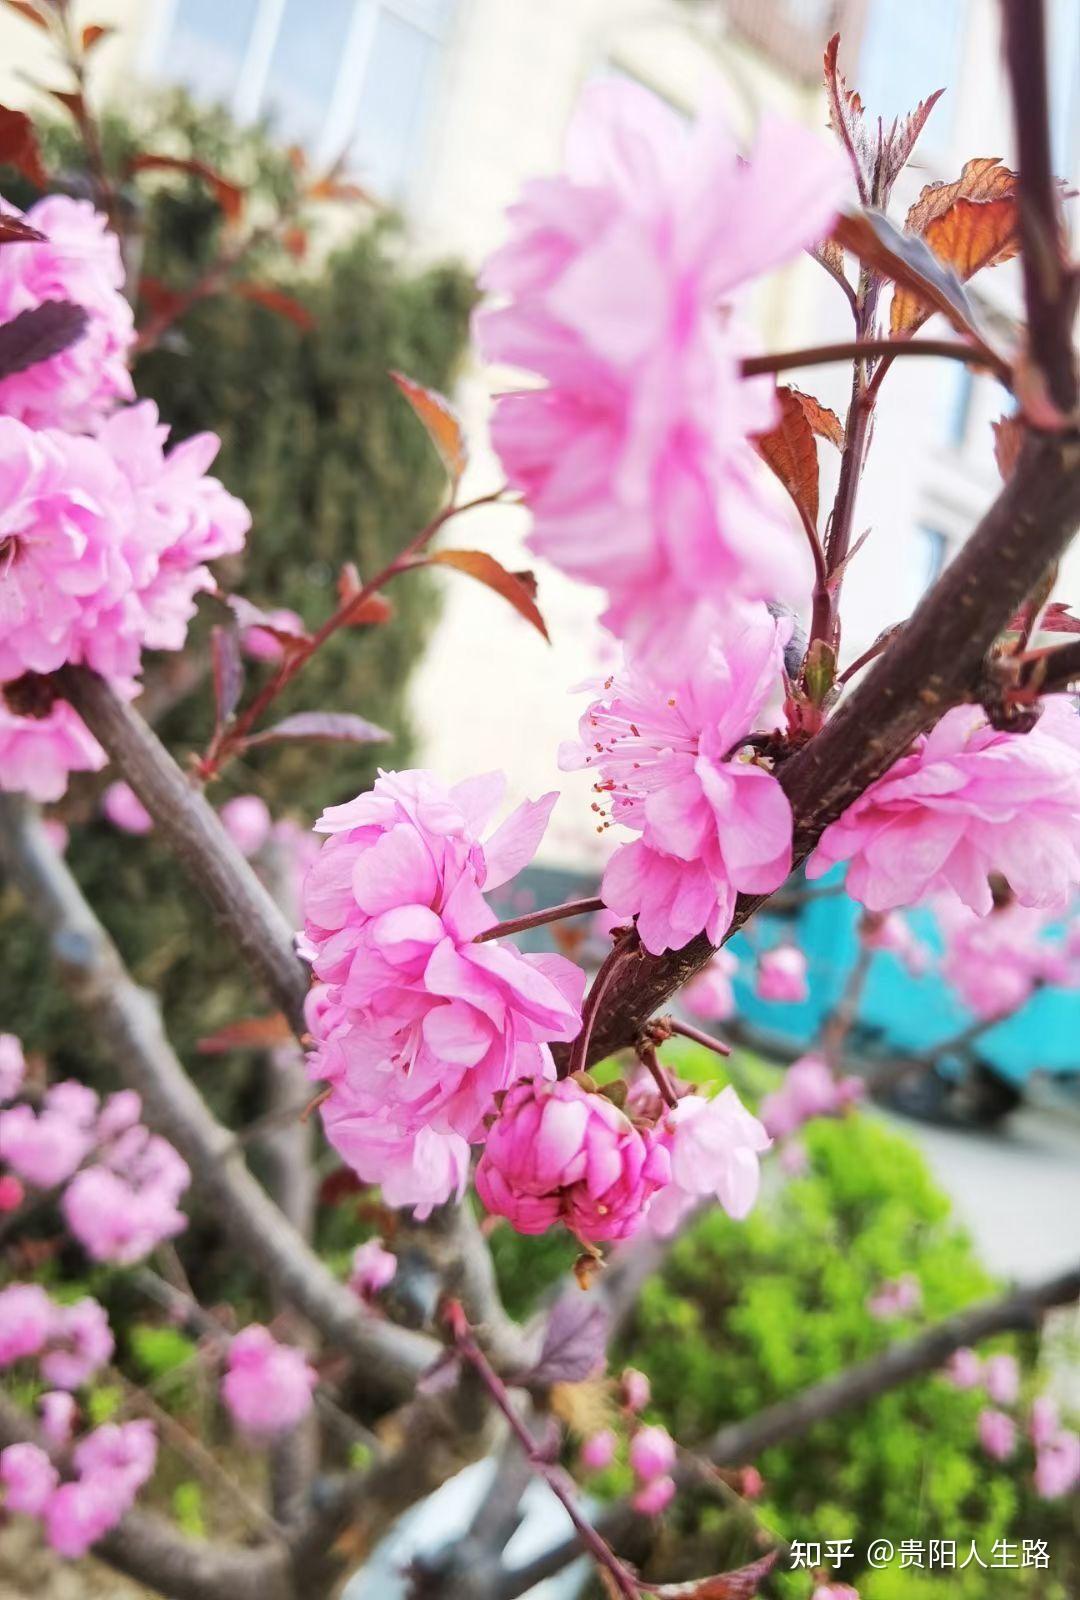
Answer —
906 1019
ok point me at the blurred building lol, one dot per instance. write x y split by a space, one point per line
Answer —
446 106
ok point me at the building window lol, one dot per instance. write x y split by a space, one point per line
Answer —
348 76
909 49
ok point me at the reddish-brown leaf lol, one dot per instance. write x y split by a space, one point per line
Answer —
39 333
740 1585
13 230
790 451
848 121
30 12
1057 618
71 100
909 262
250 1033
969 236
249 616
485 569
283 305
93 34
1008 438
896 146
228 670
19 146
982 178
295 240
336 727
331 188
229 196
442 423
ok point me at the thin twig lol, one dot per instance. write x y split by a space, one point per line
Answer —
699 1036
858 349
539 919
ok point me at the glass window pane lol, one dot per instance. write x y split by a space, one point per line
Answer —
207 45
398 81
304 67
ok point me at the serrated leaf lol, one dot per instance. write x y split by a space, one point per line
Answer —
249 1033
1057 618
971 235
228 669
896 146
275 300
229 196
338 727
742 1584
848 121
981 178
13 230
442 423
38 334
19 146
790 451
575 1341
486 570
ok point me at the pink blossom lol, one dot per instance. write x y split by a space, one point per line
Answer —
809 1090
654 1497
80 1342
635 458
125 810
968 801
422 1026
558 1153
43 1147
1057 1466
710 995
714 1147
123 1454
247 821
12 1193
120 1112
835 1591
1001 1377
794 1158
58 1411
28 1478
892 932
652 1453
74 1100
636 1389
80 262
25 1320
598 1451
373 1268
997 1434
781 975
673 765
1045 1421
900 1298
262 645
964 1369
993 962
751 1483
37 754
268 1386
12 1066
124 1206
80 1513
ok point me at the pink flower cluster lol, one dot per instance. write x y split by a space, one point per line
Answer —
900 1297
652 1457
268 1386
1057 1448
710 995
809 1090
111 1465
995 962
781 975
618 280
967 802
373 1269
78 261
673 764
123 1202
70 1342
419 1026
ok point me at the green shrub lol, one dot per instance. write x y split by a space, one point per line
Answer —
746 1314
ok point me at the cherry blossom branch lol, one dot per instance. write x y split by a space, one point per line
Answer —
699 1036
539 919
1051 280
389 1359
243 905
859 349
557 1479
147 1548
740 1442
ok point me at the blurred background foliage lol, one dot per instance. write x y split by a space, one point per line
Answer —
745 1314
335 468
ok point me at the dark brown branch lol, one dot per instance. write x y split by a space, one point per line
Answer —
936 662
149 1549
741 1442
389 1359
191 826
1051 281
856 349
1053 669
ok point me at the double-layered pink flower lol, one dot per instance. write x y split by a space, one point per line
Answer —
560 1153
715 1148
268 1385
672 763
967 802
810 1089
619 284
420 1026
